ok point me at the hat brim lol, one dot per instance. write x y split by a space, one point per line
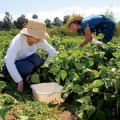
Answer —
72 19
39 34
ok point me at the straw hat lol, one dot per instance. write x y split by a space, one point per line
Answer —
72 19
36 29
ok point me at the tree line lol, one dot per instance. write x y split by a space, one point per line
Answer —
8 23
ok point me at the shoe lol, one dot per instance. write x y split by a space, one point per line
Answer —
96 42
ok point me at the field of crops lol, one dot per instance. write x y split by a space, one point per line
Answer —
90 76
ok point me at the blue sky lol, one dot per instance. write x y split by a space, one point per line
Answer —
58 8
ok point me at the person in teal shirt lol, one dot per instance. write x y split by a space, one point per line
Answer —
88 25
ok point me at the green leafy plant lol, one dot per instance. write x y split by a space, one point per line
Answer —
2 85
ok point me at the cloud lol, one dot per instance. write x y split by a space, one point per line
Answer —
1 16
47 15
78 10
69 11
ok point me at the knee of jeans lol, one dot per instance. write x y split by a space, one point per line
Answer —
37 61
29 69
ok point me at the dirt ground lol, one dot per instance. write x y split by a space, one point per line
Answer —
67 115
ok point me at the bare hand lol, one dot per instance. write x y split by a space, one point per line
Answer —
20 86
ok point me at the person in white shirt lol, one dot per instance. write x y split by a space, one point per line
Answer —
21 58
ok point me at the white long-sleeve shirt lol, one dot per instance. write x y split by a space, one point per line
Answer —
19 49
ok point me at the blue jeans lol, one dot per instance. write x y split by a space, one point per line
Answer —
27 65
108 29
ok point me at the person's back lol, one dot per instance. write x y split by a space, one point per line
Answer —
88 25
93 21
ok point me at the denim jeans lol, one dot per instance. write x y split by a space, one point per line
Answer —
109 31
27 65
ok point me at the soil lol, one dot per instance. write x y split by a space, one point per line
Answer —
67 115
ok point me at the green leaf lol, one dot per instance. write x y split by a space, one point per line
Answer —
88 87
118 64
102 54
88 62
2 85
86 100
98 83
96 90
80 115
79 66
77 88
95 73
86 70
57 78
63 74
118 104
100 115
63 55
35 78
116 54
100 102
1 75
108 96
68 86
91 109
108 82
104 72
54 68
117 86
73 76
76 53
4 111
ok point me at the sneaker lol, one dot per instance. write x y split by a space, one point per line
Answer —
96 42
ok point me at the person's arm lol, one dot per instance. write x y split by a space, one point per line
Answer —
88 37
10 63
20 86
49 49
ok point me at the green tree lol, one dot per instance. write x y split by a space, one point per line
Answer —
48 23
34 16
7 21
57 22
1 25
117 32
110 14
21 21
65 19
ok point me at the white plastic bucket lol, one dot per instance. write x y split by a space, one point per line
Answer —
47 92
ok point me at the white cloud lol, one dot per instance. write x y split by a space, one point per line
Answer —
78 10
69 11
1 16
47 15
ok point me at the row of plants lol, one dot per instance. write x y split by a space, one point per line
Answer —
14 105
90 76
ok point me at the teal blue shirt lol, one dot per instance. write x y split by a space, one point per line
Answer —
94 23
99 24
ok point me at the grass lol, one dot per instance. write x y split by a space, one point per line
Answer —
24 106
